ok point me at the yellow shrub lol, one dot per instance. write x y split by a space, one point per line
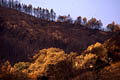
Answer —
21 66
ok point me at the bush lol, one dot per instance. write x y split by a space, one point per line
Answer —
113 47
6 67
85 61
99 50
52 62
21 66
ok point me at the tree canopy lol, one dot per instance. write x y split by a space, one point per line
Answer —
113 27
38 12
94 23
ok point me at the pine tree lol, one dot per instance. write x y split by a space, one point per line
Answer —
47 14
51 14
30 9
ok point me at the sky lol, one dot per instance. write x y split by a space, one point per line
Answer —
105 10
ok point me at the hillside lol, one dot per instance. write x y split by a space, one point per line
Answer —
54 64
22 35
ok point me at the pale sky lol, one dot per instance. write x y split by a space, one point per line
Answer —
106 10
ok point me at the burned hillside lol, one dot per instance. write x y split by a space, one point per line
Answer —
22 35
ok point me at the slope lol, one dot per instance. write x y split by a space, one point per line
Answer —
22 35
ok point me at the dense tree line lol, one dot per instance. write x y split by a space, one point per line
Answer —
50 15
38 12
